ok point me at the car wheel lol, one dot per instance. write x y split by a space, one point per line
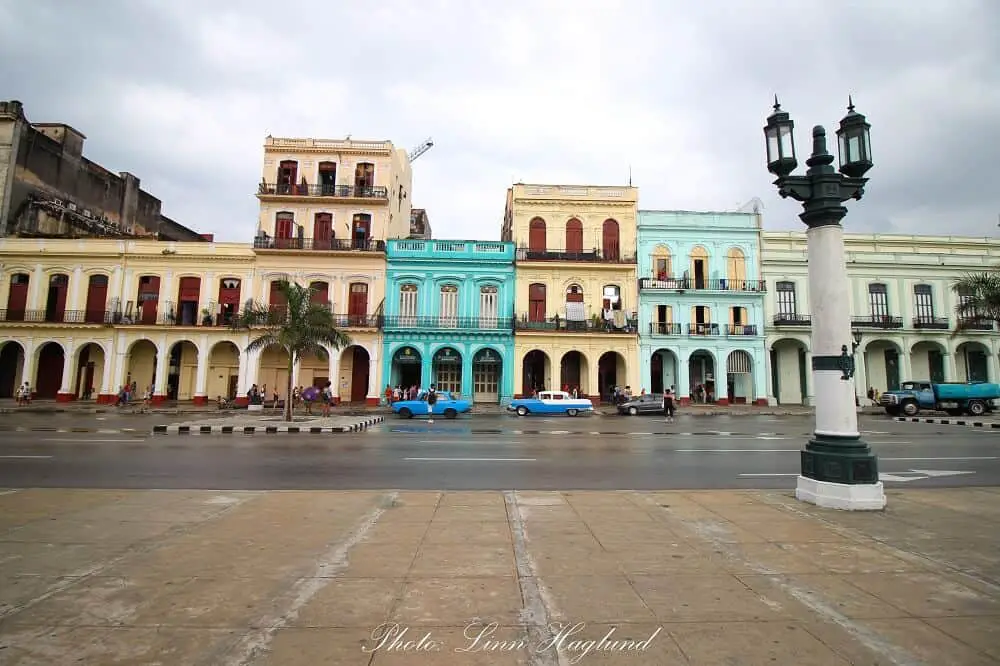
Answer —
522 411
632 411
405 413
911 408
977 408
571 412
450 413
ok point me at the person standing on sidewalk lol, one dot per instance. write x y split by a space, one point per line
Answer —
668 406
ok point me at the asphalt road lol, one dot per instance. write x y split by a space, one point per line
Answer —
494 452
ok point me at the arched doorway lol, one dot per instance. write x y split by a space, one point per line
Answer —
273 372
701 376
11 368
406 366
314 369
882 365
662 371
354 366
611 372
927 361
790 372
89 372
142 359
487 366
972 361
739 378
48 376
223 371
536 372
182 371
573 373
448 370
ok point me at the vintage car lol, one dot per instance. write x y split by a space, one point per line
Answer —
447 405
551 402
650 403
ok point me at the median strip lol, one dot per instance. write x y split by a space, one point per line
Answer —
959 422
230 428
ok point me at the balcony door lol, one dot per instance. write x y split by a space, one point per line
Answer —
323 231
610 238
288 171
536 302
574 237
361 230
536 235
357 303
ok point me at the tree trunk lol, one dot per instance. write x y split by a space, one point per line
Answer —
288 393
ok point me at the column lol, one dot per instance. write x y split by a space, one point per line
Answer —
333 372
201 380
769 376
905 372
28 367
760 383
249 364
722 378
948 360
593 386
467 391
76 285
160 381
65 393
809 399
109 391
35 292
426 368
684 379
372 399
645 368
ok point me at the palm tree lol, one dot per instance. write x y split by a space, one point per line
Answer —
300 327
978 298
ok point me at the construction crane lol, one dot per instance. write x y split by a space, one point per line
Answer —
421 149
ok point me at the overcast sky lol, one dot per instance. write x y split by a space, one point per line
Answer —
183 92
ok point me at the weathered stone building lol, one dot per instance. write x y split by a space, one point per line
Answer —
49 189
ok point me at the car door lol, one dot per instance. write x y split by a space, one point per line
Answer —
651 404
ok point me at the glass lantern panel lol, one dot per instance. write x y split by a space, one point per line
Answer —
842 152
867 146
785 133
854 147
772 146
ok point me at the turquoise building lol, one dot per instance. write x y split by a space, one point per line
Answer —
448 317
701 306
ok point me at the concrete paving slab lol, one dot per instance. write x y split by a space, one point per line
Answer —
455 601
713 643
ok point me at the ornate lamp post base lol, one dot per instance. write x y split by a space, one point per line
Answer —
840 473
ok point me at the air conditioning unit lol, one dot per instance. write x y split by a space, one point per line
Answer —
71 205
86 213
58 202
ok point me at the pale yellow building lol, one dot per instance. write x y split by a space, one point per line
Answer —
80 318
576 298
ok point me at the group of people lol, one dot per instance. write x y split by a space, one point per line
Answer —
400 392
300 395
22 395
127 393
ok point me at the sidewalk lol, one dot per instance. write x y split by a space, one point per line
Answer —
671 578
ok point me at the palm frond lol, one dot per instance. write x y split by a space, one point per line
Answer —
978 298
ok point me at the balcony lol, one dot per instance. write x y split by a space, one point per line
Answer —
171 317
451 249
685 284
742 330
877 321
328 191
702 329
318 244
664 328
975 324
598 256
792 319
460 323
54 316
357 321
938 323
629 326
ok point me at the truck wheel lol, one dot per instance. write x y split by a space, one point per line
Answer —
911 408
450 413
405 413
976 408
522 411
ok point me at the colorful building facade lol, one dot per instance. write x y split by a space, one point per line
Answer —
575 303
448 317
903 307
701 306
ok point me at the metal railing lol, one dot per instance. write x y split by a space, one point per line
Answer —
703 329
976 324
792 319
878 321
664 328
686 283
593 325
939 323
438 322
319 244
53 316
742 329
357 321
611 255
338 191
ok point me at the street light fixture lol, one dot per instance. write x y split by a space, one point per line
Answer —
838 468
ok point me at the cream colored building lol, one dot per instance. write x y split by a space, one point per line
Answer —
901 302
576 297
80 318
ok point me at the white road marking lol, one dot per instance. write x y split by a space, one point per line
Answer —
772 474
100 441
890 443
769 437
953 458
894 477
472 459
462 440
28 457
735 450
939 472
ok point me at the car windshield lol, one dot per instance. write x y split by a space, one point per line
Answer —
913 386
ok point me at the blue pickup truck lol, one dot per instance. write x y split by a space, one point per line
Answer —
953 397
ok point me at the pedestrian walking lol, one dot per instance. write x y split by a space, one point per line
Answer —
668 406
432 399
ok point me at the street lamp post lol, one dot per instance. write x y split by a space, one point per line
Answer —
838 468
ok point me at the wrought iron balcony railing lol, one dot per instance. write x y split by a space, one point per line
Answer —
696 284
742 329
629 325
939 323
357 321
878 321
337 191
664 328
52 316
975 324
792 319
319 244
703 329
612 255
445 322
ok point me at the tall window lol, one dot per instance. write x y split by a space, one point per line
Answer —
923 301
489 304
536 302
736 268
612 297
661 263
449 306
878 300
408 305
964 296
785 293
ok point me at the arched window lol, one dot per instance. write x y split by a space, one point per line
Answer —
574 236
736 268
699 267
611 240
536 302
408 304
536 235
288 171
489 306
448 309
576 313
661 264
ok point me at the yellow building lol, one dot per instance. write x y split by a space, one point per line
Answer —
82 317
576 298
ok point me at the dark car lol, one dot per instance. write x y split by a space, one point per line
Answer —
651 403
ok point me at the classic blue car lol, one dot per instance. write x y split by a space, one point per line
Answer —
551 402
447 405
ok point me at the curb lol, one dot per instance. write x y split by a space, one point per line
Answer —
961 422
250 430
